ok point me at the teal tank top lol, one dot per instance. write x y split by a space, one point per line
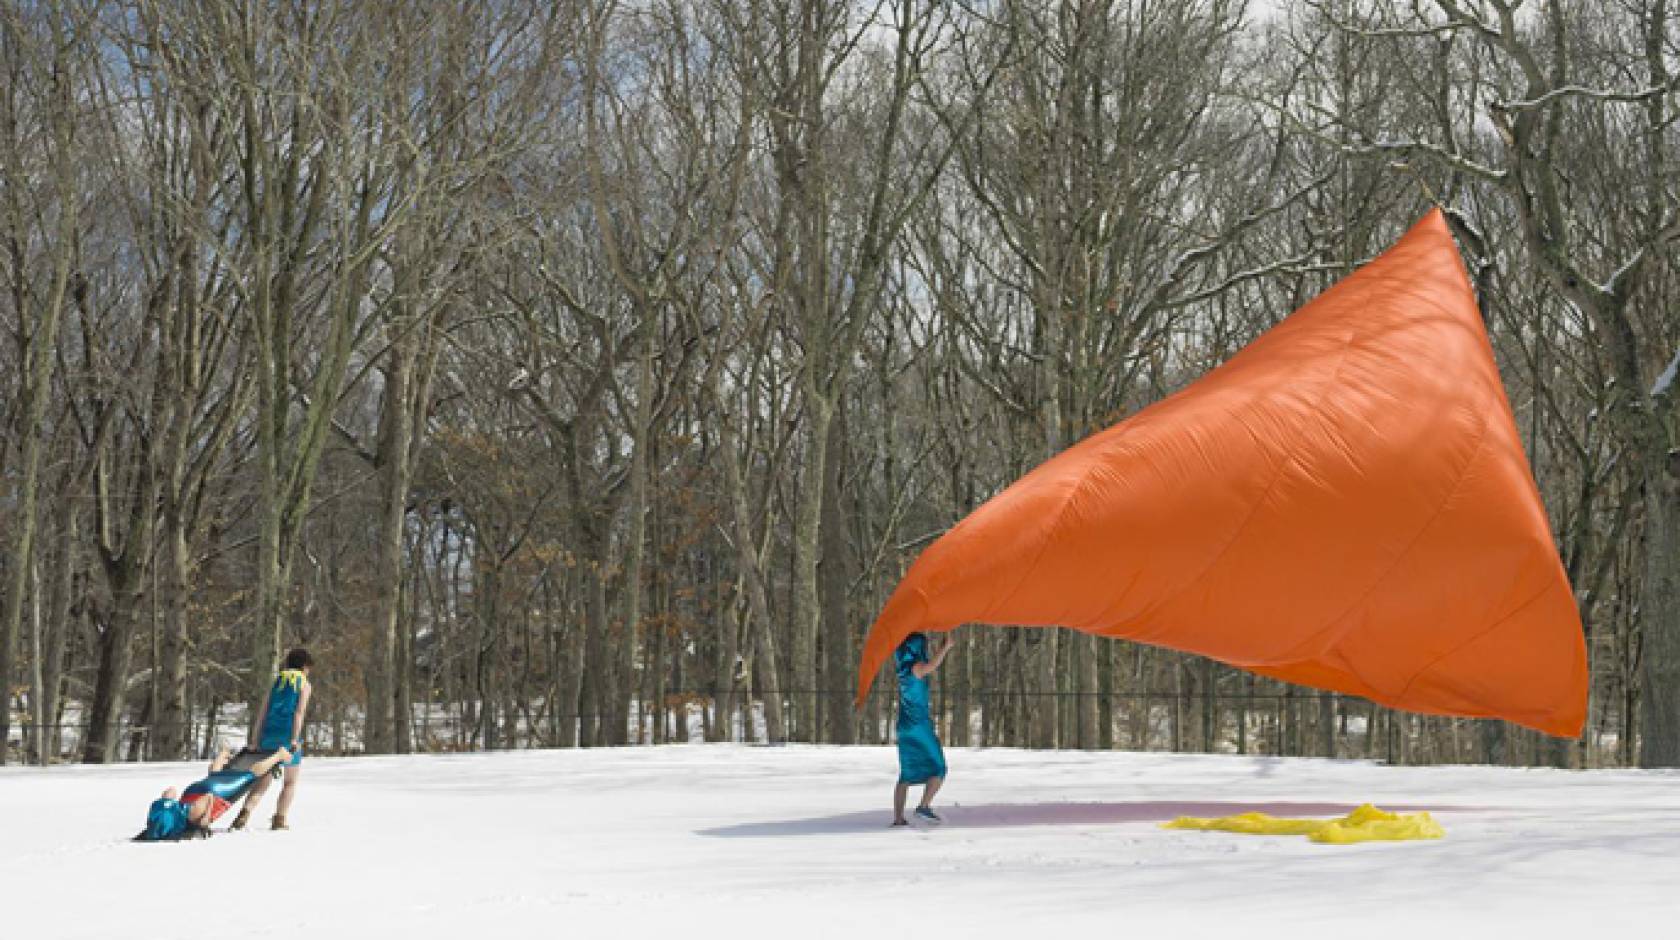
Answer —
282 709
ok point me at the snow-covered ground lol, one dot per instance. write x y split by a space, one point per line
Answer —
792 842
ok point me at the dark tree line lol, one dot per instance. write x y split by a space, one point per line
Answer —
587 373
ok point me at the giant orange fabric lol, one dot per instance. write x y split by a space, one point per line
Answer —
1344 504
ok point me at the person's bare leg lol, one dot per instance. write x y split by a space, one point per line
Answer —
933 785
900 793
261 770
252 799
220 760
288 790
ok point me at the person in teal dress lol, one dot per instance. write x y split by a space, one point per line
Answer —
920 758
279 724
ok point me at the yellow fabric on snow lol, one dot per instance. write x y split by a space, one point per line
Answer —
1365 824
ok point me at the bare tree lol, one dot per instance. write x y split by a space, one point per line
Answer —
45 59
1545 83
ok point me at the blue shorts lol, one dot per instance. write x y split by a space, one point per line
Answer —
920 758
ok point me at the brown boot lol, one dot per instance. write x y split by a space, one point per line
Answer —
279 822
240 820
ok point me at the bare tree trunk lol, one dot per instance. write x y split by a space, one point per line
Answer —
172 734
572 688
1243 702
636 541
1210 707
59 624
1086 653
1659 695
835 571
40 344
1105 694
775 724
395 423
116 654
402 717
596 692
724 671
807 556
37 740
761 639
1044 705
1327 723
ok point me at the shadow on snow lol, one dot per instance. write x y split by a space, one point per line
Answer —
1006 815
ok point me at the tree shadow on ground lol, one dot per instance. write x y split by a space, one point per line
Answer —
1009 815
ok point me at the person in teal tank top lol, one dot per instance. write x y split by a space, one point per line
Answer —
920 758
279 724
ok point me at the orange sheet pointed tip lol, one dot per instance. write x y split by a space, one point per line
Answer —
1344 504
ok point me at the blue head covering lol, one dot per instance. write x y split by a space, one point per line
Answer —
914 648
165 820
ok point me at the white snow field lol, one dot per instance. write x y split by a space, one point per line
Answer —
792 842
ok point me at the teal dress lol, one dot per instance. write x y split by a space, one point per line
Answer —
283 699
920 758
229 785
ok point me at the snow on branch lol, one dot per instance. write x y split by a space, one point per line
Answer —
1664 386
1426 30
1411 148
1581 91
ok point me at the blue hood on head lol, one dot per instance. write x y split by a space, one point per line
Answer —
165 820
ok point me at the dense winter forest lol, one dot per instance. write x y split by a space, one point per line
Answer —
585 373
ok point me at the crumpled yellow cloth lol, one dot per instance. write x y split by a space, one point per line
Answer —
1365 824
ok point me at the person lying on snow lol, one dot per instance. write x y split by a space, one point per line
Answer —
188 815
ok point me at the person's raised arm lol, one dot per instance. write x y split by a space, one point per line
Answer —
923 670
270 762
